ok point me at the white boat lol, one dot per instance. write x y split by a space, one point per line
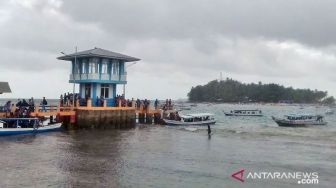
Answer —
329 112
300 120
192 119
20 126
244 113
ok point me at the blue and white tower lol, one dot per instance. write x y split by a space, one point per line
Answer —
98 71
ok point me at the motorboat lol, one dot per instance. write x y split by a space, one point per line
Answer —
191 119
329 112
16 126
244 113
300 120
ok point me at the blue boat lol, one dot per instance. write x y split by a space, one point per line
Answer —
16 126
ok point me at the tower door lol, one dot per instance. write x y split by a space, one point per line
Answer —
87 91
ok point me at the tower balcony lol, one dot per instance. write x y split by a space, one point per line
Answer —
96 77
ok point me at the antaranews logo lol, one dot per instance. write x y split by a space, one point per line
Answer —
299 177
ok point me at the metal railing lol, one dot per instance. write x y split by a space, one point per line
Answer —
97 76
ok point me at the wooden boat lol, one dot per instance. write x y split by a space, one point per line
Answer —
192 119
300 120
244 113
16 126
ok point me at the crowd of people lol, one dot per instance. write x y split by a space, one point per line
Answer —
174 116
22 108
67 99
121 99
138 102
168 105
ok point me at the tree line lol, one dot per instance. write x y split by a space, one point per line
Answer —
230 90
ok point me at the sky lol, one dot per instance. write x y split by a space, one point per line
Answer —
180 43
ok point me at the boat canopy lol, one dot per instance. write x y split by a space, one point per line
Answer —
246 110
198 115
302 116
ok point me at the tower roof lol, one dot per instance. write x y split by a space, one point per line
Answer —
4 87
98 52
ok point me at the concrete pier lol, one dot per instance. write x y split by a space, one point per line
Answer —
106 118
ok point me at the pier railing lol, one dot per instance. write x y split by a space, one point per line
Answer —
68 110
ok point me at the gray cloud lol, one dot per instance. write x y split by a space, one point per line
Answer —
307 21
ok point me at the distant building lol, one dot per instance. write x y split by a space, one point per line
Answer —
4 88
98 71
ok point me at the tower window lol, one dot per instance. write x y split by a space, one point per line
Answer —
84 66
104 91
93 65
104 66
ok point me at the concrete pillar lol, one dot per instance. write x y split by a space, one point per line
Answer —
58 107
77 102
89 103
37 108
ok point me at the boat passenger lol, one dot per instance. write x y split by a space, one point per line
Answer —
19 103
24 103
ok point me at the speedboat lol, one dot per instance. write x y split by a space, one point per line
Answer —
15 126
244 113
192 119
300 120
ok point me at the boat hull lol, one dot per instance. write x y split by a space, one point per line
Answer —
18 131
180 123
288 123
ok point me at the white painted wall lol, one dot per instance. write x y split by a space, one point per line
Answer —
98 90
110 90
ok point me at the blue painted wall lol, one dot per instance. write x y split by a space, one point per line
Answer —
110 102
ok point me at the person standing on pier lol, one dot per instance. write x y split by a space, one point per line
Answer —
156 103
44 103
61 100
31 104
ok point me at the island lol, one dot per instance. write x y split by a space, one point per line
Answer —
230 90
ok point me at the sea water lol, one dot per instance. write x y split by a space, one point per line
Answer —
159 156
